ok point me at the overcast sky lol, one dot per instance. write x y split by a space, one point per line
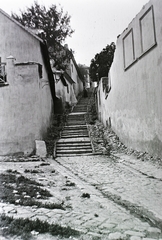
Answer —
96 22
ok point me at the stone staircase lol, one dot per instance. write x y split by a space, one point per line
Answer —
74 137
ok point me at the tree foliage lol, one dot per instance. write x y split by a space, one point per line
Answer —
52 25
83 70
101 63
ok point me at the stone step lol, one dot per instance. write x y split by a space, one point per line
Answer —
74 126
71 144
72 136
77 128
76 118
74 140
73 147
75 123
73 155
74 151
80 108
75 131
77 115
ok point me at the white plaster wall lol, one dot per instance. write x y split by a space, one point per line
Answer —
134 102
78 85
16 41
27 104
25 109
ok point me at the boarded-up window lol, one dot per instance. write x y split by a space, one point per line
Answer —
147 29
128 49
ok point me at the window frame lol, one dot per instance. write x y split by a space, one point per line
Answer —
143 52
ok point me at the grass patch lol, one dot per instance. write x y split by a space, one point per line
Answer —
21 190
12 171
32 171
23 227
32 202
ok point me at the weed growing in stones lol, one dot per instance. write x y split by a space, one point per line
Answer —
21 190
32 171
85 195
12 171
44 164
24 227
70 184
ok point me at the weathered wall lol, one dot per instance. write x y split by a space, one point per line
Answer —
25 109
60 90
134 102
18 42
66 93
26 103
78 85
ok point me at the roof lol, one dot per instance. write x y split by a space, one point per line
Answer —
68 78
75 64
44 51
20 25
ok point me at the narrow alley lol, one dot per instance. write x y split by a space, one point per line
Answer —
98 196
81 120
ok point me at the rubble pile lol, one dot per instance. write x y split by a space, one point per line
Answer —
106 142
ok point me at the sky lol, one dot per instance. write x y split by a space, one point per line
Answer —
96 22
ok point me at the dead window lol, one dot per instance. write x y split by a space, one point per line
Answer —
72 67
40 70
67 88
99 100
147 31
128 49
3 75
106 85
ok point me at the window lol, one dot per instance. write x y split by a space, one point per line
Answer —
128 49
147 31
40 70
67 88
106 85
3 75
99 98
104 82
72 67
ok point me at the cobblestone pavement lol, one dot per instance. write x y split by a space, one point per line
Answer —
104 198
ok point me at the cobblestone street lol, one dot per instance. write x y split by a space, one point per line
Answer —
103 197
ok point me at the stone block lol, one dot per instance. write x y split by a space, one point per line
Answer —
41 150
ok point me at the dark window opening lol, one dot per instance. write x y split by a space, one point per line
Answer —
3 75
67 88
40 70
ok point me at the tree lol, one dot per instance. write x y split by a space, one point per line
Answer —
101 63
83 70
52 25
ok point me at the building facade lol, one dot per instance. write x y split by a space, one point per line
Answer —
28 92
132 102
